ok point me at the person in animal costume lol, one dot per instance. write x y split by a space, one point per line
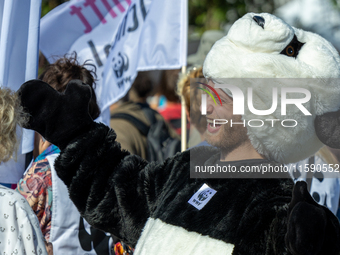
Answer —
158 208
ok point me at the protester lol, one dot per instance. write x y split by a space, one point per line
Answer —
41 187
325 190
136 105
19 227
159 208
170 109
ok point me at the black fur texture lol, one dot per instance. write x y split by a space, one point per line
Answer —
327 128
118 192
311 228
58 117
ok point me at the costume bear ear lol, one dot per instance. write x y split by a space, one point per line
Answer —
56 116
327 128
312 229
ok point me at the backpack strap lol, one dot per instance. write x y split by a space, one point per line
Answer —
176 123
149 113
141 126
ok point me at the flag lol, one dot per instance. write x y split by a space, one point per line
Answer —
19 40
151 36
86 27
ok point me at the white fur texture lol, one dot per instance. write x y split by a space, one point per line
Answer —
250 51
173 240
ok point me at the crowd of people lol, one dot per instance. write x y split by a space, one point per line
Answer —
127 189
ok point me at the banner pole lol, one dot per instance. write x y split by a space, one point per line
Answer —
183 120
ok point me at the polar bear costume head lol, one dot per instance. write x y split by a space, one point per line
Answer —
262 46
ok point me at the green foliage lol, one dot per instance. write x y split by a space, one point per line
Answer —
214 14
44 9
207 14
336 4
47 5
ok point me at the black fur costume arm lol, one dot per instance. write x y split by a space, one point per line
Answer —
89 159
99 188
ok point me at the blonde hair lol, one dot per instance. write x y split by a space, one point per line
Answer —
183 84
11 115
183 87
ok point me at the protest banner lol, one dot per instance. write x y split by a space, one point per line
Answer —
89 27
151 36
19 39
86 27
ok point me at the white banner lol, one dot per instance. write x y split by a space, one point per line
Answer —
83 26
152 36
19 40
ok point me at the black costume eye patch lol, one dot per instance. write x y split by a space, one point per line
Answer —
293 48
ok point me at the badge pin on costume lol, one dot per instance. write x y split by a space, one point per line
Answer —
202 197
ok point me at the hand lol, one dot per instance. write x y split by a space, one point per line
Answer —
49 248
58 117
311 228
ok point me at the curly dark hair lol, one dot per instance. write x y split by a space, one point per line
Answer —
67 68
167 85
143 84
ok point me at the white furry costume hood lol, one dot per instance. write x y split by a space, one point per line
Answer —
255 49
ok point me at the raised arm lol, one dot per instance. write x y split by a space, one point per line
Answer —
110 187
